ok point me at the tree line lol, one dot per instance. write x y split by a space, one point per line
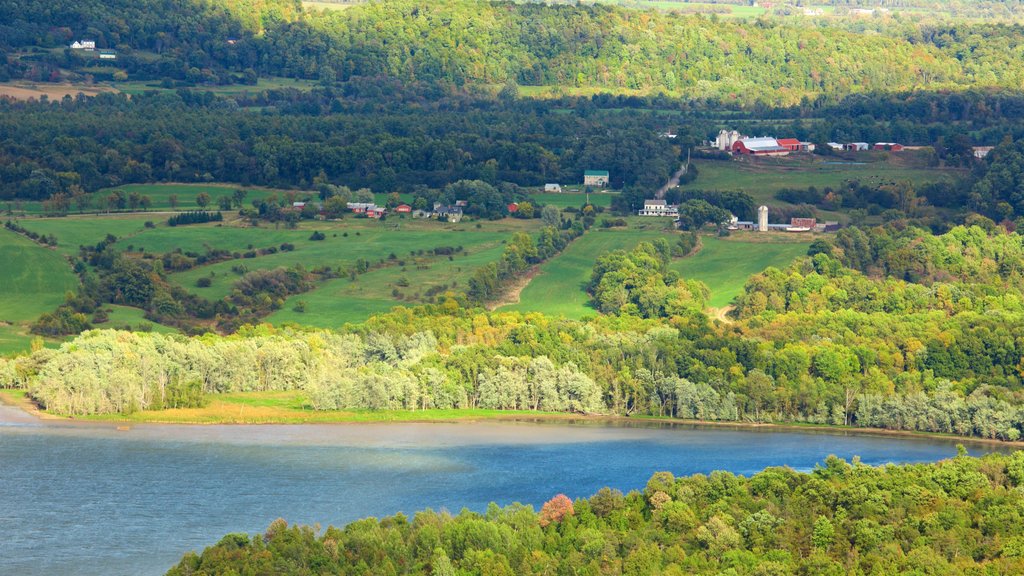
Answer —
958 516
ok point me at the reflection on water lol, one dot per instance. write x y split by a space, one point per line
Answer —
84 498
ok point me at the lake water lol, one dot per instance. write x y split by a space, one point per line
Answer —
87 499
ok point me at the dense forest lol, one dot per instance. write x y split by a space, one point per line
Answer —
87 144
460 42
396 137
958 516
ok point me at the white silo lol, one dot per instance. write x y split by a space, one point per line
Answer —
762 219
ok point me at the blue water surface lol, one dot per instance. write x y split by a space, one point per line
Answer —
88 499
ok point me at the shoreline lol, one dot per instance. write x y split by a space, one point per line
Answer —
21 402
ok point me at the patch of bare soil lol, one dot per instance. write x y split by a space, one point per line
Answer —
514 289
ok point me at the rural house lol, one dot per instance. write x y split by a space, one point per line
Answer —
597 178
449 213
658 208
87 45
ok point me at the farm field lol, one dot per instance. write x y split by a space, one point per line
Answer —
375 242
262 85
131 318
724 264
343 300
34 280
558 288
763 178
75 231
573 199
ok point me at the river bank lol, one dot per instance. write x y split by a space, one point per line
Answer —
289 408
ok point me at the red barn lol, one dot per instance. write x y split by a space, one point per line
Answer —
808 223
513 208
403 209
759 147
791 144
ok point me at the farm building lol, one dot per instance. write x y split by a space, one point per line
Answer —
403 209
376 212
791 144
981 151
726 139
595 178
836 146
449 213
108 55
658 208
737 224
360 207
513 208
857 146
421 213
889 146
763 146
553 188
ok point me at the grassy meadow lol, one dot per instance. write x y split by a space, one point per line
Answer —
572 199
558 287
724 264
766 176
34 280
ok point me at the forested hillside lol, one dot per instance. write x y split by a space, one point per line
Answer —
474 42
959 516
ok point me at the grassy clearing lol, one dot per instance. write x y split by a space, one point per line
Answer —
34 278
75 231
126 317
366 239
262 85
343 300
573 199
764 177
558 289
725 264
293 408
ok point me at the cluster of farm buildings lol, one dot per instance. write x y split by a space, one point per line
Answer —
736 143
663 208
90 46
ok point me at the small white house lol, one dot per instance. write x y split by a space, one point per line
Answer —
553 188
88 45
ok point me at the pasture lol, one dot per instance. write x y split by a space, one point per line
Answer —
346 242
344 300
766 176
558 288
34 280
724 264
571 199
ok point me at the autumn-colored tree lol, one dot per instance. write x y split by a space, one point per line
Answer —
555 509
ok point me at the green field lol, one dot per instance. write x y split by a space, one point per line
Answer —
367 239
343 300
572 199
724 264
766 176
558 288
34 280
131 318
262 85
